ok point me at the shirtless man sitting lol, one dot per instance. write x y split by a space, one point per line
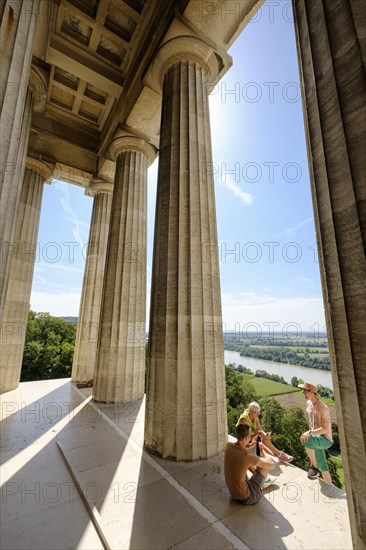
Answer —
236 464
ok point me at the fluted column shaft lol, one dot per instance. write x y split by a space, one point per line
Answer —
186 402
332 66
16 309
120 369
18 23
85 354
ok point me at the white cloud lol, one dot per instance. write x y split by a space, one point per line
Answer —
38 278
302 280
42 267
60 304
226 179
80 223
228 182
68 209
248 311
295 228
244 309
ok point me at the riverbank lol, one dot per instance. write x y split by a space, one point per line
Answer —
316 376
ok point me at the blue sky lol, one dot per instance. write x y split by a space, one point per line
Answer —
268 261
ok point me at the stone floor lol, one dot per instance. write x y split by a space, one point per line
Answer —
65 461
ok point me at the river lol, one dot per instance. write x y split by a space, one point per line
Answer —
316 376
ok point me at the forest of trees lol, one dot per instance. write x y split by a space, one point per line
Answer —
48 353
49 347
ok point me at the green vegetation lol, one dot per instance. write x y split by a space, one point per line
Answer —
49 347
337 461
48 353
286 423
265 388
293 350
280 386
73 320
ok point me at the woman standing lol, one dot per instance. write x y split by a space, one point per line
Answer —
319 436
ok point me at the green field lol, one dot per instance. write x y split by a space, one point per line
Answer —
297 349
266 388
326 400
338 461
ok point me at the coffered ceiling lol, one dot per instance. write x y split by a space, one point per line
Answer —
94 56
89 49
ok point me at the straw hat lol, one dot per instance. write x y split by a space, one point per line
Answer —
308 386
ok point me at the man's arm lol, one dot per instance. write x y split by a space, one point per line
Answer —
266 462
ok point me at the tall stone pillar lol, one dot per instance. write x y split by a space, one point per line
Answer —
332 66
85 354
120 369
16 309
17 29
186 400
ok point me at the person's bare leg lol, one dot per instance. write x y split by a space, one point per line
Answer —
263 471
268 450
327 477
271 448
311 455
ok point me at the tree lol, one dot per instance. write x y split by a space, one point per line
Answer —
272 414
333 470
49 347
232 418
294 381
286 426
248 393
239 392
336 445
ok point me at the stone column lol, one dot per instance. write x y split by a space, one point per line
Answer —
332 62
85 354
186 400
16 309
17 29
120 370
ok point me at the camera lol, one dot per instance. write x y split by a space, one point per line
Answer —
257 449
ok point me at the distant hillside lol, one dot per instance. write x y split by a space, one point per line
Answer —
73 320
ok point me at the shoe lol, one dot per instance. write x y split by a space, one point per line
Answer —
88 384
313 473
284 457
270 480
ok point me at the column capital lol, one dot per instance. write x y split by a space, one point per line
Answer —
125 141
184 48
37 84
45 170
98 185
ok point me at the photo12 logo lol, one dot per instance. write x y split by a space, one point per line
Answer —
253 92
253 172
241 10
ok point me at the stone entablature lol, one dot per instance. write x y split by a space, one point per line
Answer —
96 79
